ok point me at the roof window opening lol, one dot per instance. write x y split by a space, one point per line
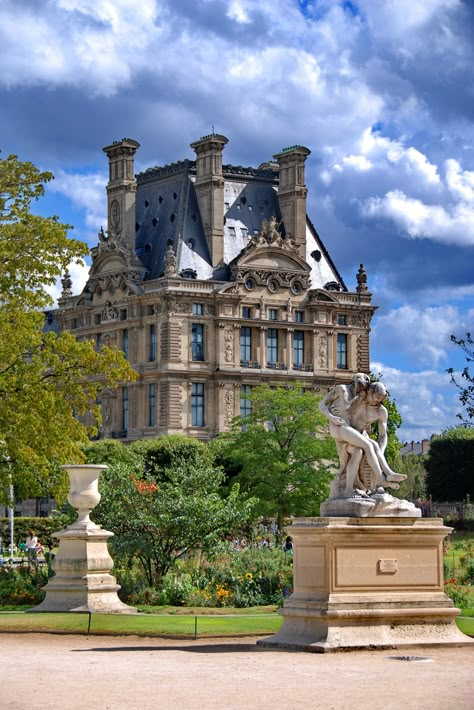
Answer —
137 226
265 202
227 205
243 200
232 231
190 243
238 206
250 208
194 217
147 204
172 217
316 254
154 221
188 274
255 231
160 199
175 195
147 248
244 232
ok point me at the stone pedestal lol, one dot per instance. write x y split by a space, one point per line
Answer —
82 581
367 583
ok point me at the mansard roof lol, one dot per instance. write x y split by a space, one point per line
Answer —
167 213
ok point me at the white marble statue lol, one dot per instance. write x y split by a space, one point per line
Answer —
351 410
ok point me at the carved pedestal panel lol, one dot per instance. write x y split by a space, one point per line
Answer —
361 583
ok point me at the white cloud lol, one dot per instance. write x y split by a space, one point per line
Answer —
87 192
460 182
426 400
420 220
79 275
421 334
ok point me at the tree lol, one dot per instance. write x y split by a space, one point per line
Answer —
413 466
466 386
47 381
283 451
159 516
450 465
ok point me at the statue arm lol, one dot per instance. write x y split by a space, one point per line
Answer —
382 427
324 408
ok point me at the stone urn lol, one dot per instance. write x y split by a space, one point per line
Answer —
82 565
84 490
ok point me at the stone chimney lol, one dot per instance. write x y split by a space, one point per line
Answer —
292 193
121 190
209 188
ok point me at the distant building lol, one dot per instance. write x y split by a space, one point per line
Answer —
212 279
417 448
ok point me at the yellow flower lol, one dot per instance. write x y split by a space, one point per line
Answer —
249 575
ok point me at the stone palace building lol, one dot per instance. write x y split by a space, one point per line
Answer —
212 279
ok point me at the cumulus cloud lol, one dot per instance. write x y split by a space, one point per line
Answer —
86 191
420 220
79 275
421 334
426 400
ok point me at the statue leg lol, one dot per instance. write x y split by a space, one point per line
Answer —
390 476
352 470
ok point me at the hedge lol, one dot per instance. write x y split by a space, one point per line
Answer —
43 528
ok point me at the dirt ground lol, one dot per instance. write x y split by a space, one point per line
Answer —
45 671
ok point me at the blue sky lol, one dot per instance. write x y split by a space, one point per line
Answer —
381 92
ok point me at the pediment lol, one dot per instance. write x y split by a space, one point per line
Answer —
271 258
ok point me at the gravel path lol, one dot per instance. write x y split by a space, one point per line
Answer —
46 672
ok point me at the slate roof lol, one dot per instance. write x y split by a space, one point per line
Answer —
167 212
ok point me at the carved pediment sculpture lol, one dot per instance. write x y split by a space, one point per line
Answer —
272 260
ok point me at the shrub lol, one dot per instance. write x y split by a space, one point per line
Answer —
22 585
459 593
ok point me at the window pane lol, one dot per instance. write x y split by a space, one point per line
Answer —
245 404
152 353
245 343
197 404
197 309
125 343
197 345
298 347
342 351
125 408
152 404
272 345
298 316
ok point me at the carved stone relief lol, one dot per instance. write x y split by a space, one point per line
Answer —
229 401
323 352
360 320
228 346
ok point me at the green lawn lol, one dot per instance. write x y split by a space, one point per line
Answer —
142 624
180 622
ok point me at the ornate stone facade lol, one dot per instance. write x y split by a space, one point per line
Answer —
212 280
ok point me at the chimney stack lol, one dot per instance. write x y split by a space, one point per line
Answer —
209 188
292 193
121 190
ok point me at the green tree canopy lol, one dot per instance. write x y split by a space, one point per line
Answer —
47 381
283 451
160 516
450 465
